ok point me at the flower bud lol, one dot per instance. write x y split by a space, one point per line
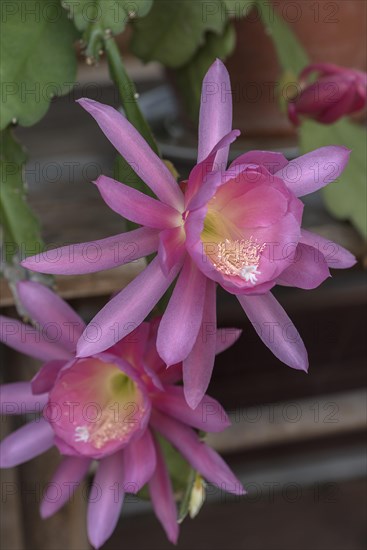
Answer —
336 92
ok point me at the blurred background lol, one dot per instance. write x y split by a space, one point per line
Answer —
297 441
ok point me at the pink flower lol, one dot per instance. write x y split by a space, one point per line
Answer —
239 227
336 92
110 408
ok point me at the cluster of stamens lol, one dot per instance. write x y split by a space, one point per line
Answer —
239 257
108 429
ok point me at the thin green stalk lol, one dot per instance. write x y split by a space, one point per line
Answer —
127 91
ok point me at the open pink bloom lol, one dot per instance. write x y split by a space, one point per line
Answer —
110 408
336 92
239 227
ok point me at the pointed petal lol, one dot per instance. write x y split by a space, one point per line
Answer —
135 150
24 444
154 377
275 329
152 359
204 459
105 500
171 247
308 270
29 341
208 415
136 206
51 312
335 255
198 366
204 180
226 337
215 112
314 170
139 463
126 310
199 173
45 378
162 498
272 161
17 398
181 321
66 479
93 256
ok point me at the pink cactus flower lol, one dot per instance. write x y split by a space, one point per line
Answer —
238 227
109 408
336 92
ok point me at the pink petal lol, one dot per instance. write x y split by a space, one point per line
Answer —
200 172
308 271
152 359
292 114
64 483
215 112
154 377
127 310
171 375
93 256
207 189
342 106
208 414
45 378
272 161
29 341
163 501
204 459
335 255
132 348
314 170
322 89
171 247
275 329
17 398
29 441
260 207
49 310
139 463
226 337
198 366
105 499
135 150
136 206
181 321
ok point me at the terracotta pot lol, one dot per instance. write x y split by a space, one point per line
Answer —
329 31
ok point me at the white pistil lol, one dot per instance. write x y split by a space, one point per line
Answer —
81 434
249 273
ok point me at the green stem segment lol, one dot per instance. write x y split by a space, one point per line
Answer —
127 91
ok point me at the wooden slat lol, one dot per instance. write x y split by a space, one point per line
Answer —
292 421
11 532
85 286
